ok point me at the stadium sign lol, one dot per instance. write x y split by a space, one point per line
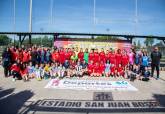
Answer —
99 104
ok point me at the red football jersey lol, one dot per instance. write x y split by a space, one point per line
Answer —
125 60
90 68
96 57
102 67
91 57
112 58
113 68
24 71
62 57
67 56
96 68
102 57
119 69
26 57
81 56
118 59
106 56
15 67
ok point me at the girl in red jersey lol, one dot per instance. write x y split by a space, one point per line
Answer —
120 71
26 57
96 56
102 67
67 55
15 70
125 59
112 58
81 55
91 56
20 55
62 56
24 72
90 68
107 55
102 55
118 57
96 70
113 70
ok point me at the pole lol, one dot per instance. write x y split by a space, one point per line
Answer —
94 11
51 11
136 15
30 19
14 22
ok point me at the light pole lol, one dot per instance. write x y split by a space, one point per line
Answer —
41 29
107 32
30 17
51 11
14 22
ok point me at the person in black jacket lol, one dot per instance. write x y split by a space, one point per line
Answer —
6 60
155 61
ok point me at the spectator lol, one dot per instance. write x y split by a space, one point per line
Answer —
6 59
155 61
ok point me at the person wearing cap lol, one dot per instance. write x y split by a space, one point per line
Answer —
155 61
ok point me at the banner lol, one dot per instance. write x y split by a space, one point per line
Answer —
84 43
90 85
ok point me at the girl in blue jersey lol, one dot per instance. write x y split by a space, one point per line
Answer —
145 60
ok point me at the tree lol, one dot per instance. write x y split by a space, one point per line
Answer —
139 45
149 41
4 40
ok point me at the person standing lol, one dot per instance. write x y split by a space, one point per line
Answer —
6 59
155 61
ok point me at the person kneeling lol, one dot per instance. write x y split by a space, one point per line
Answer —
146 74
15 71
24 72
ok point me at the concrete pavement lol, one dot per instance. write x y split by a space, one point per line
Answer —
24 97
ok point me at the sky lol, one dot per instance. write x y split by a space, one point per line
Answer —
109 16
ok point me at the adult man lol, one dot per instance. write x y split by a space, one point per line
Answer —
155 61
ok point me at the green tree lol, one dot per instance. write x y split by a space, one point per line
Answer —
149 41
139 45
4 40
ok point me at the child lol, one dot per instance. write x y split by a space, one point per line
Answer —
134 73
24 72
54 70
107 68
84 67
15 71
66 64
37 72
78 70
102 68
41 68
90 68
146 74
120 71
113 70
31 70
97 70
61 71
47 71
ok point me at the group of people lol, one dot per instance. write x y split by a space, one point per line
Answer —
44 63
